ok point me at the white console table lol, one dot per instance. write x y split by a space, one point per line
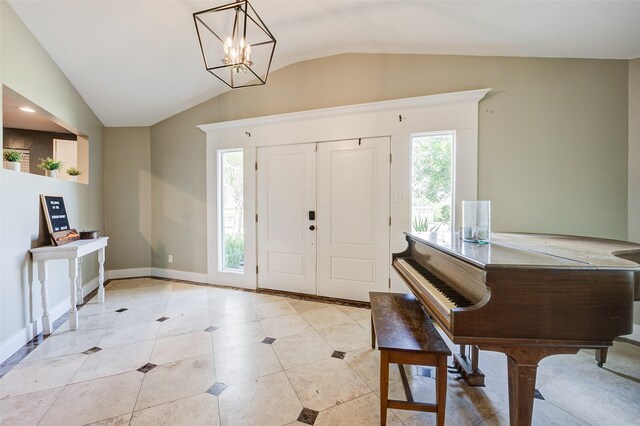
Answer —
72 251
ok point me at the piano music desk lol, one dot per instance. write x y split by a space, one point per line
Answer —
406 335
71 252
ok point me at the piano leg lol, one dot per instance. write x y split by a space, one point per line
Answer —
601 356
522 365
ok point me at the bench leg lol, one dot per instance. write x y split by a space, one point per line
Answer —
373 334
384 386
441 390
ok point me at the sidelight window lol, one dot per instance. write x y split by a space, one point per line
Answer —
230 210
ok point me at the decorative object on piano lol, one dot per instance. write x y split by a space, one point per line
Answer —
476 221
50 166
89 235
61 238
55 214
237 47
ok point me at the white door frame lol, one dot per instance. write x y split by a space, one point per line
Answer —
456 111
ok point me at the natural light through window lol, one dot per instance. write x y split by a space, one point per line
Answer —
432 182
231 208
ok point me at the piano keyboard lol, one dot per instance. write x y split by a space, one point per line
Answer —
447 296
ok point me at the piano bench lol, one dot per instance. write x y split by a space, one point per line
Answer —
406 335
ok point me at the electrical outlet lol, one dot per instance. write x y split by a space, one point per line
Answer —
170 258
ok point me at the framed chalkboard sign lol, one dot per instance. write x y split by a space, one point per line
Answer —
55 213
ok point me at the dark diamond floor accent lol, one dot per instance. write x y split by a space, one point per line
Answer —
211 329
217 389
147 367
163 319
308 416
92 350
538 395
424 372
339 355
121 310
268 340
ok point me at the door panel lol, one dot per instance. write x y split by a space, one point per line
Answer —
286 193
353 218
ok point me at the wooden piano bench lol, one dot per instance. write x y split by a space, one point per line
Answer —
406 335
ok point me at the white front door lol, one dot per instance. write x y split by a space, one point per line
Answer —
353 218
286 195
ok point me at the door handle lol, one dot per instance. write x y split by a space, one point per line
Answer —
312 228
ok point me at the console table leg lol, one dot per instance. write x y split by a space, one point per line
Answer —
73 312
80 298
101 275
42 277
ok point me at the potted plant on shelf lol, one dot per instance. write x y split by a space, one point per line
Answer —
50 166
13 159
73 174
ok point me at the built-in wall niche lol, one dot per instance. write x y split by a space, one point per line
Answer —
36 134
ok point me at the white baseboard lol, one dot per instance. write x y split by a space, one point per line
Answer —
127 273
179 275
22 337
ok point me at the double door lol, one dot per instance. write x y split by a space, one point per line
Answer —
323 218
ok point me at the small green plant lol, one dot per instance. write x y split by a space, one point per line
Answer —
11 156
420 224
49 164
72 171
234 251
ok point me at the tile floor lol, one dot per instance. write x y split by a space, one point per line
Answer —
169 353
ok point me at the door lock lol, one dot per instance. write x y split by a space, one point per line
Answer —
312 228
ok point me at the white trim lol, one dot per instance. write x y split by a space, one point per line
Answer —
371 107
128 273
23 336
179 275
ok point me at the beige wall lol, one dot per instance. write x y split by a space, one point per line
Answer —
127 158
553 138
28 70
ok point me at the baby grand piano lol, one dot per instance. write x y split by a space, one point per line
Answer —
526 295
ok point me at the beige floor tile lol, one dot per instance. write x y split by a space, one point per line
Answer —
235 336
300 349
247 362
264 298
356 314
28 409
325 383
89 322
283 326
346 337
115 360
198 410
87 402
66 343
92 307
326 317
125 283
241 314
114 421
544 414
269 400
138 314
181 347
366 363
273 309
176 380
364 410
178 325
131 334
188 309
39 375
307 305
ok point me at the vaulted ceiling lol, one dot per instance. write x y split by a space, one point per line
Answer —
138 62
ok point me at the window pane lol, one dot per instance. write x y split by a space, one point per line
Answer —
432 183
231 210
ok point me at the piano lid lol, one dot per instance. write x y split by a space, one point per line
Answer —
509 250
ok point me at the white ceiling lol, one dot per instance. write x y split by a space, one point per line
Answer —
137 62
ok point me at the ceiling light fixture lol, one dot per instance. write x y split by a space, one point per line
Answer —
27 109
237 47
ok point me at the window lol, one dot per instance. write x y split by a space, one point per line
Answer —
230 210
432 182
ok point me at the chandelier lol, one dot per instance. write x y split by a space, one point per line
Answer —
237 47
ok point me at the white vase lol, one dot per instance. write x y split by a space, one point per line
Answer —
51 173
73 178
13 165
